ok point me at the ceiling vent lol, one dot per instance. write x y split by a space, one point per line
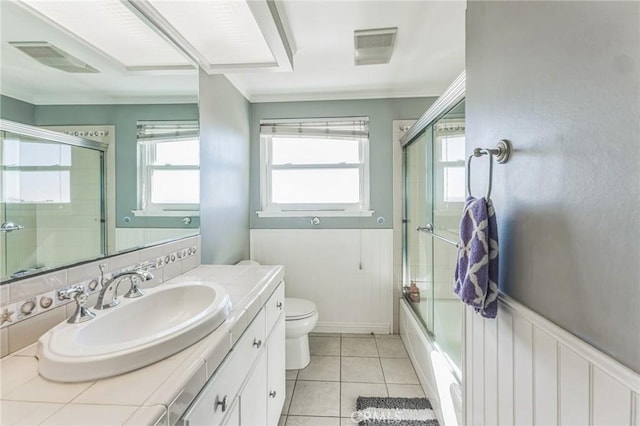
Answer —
374 46
52 56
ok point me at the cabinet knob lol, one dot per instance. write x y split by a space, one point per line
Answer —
272 394
257 343
222 404
279 305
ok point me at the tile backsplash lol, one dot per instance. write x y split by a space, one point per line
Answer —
30 307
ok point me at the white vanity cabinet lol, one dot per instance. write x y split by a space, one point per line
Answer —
248 388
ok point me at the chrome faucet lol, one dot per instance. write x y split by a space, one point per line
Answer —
108 297
79 294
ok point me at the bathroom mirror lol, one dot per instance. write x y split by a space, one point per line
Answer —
91 81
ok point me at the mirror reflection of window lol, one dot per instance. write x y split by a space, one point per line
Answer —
35 172
168 165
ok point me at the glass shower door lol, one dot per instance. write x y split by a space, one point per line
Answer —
434 199
418 259
449 196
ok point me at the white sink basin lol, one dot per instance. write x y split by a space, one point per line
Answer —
136 333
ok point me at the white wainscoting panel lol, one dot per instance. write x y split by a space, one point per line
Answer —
347 273
521 369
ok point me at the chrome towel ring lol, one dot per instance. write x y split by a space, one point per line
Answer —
502 152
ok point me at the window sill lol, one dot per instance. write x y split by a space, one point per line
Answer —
166 213
315 213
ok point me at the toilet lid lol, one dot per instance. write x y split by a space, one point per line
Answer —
298 308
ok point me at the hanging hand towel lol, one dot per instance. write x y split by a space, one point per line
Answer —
477 266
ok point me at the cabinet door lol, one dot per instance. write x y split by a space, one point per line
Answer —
233 419
276 372
253 399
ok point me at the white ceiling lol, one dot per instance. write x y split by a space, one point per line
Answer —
428 54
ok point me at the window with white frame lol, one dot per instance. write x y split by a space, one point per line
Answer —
315 165
449 135
168 166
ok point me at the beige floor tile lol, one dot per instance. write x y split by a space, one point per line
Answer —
365 347
399 371
323 368
312 421
405 391
347 421
387 336
391 348
315 333
291 384
361 370
315 399
292 374
98 415
282 421
329 346
356 335
349 393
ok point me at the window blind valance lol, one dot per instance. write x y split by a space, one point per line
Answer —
167 131
334 128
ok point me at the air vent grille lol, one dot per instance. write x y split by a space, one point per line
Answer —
374 46
52 56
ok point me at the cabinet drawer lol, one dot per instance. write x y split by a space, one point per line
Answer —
207 409
275 306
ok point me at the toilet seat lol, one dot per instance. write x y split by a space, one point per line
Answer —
297 309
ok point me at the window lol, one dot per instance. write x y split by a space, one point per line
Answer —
35 172
168 166
318 166
450 151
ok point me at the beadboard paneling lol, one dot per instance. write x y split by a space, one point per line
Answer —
347 273
533 372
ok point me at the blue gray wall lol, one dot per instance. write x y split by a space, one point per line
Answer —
381 112
16 110
224 171
561 81
124 118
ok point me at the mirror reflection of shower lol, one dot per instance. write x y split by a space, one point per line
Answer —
51 200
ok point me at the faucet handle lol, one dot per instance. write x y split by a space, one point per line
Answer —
78 294
71 292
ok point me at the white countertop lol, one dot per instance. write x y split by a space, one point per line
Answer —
155 394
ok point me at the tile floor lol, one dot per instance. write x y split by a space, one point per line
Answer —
343 367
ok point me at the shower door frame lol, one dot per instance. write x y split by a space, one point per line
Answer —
448 100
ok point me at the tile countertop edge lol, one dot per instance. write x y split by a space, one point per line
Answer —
203 357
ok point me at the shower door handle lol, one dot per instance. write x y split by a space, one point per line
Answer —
10 227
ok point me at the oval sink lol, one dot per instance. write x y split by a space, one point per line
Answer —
136 333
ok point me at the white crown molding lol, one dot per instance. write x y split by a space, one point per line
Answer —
336 96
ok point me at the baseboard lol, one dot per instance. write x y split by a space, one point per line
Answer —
357 328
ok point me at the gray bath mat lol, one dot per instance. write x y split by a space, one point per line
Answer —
384 411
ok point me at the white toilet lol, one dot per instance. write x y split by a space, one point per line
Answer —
301 316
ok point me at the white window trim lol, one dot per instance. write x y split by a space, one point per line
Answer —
270 209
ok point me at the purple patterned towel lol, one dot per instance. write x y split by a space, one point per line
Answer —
477 266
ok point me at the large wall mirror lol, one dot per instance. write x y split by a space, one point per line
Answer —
99 148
